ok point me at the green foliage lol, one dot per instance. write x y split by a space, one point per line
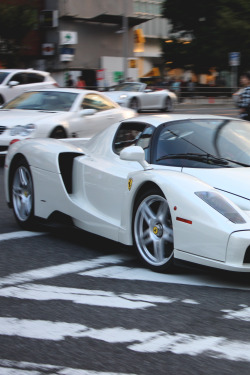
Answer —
15 23
216 28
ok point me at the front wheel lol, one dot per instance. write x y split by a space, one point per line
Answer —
58 133
23 195
153 232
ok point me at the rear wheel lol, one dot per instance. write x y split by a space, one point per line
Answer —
134 104
1 100
168 105
22 193
153 231
58 133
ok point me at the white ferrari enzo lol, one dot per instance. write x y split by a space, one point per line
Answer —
175 186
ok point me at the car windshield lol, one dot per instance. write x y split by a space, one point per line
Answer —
204 144
43 101
3 75
128 87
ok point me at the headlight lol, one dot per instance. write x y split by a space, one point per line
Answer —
123 96
23 130
220 204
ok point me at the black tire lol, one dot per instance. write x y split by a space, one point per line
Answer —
22 195
1 100
58 133
168 105
134 104
153 231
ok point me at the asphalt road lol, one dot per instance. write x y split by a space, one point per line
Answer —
76 304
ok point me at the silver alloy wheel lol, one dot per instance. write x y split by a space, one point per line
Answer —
153 231
168 105
134 104
22 193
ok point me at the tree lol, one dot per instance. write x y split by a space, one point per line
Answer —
214 27
16 21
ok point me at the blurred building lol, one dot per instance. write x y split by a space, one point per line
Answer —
149 53
103 40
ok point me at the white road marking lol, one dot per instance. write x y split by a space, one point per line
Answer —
20 234
83 296
61 269
8 367
242 314
139 341
143 274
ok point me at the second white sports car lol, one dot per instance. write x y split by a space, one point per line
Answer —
58 113
135 95
176 186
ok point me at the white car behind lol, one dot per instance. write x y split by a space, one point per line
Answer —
58 113
14 82
137 96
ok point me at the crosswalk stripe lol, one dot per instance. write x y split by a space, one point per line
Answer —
20 234
143 274
8 367
84 296
136 340
61 269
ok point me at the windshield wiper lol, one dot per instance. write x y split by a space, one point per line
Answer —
236 162
199 157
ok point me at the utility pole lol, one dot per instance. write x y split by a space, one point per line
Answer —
125 40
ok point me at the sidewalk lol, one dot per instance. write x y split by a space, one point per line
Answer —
206 101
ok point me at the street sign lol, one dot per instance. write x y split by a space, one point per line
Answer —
68 37
234 58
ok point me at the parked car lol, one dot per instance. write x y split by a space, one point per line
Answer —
176 186
137 96
14 82
57 113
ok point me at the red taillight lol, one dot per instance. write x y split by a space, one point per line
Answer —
14 141
55 84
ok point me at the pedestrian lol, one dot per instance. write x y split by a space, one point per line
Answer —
244 100
80 84
70 82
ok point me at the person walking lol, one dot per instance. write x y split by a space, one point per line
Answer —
244 100
80 84
70 82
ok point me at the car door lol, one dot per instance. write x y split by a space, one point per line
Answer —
11 92
106 114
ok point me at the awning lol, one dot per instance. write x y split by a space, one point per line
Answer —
154 72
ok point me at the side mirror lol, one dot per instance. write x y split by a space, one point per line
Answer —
135 153
13 83
87 112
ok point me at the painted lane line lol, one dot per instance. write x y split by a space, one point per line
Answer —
8 367
61 269
242 314
20 234
139 341
143 274
83 296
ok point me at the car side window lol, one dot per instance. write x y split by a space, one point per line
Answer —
97 102
19 77
35 78
133 134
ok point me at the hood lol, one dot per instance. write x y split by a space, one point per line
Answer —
230 180
13 117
